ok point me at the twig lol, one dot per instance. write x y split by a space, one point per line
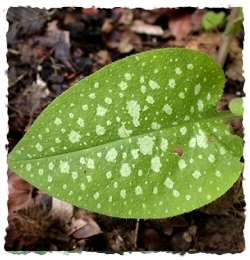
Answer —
226 38
13 83
136 232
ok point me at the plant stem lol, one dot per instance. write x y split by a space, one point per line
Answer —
226 38
136 232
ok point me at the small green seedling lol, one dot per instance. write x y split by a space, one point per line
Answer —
140 138
212 20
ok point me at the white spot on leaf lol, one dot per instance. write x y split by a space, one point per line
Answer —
197 89
111 155
178 71
123 132
85 107
182 164
92 95
109 175
167 109
222 150
146 144
196 174
134 111
218 173
200 105
155 126
143 89
80 122
64 167
74 137
176 193
128 76
181 95
153 84
123 193
51 165
57 121
101 111
155 190
39 147
183 130
211 158
100 130
171 83
135 153
74 175
82 186
90 164
169 183
96 195
28 167
201 139
138 190
156 164
108 100
123 85
150 100
125 170
164 144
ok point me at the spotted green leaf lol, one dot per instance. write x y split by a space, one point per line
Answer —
140 138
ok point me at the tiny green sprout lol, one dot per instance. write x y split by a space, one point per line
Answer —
140 138
212 20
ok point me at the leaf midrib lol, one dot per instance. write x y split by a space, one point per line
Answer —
223 115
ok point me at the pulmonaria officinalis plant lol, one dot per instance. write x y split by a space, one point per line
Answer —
140 138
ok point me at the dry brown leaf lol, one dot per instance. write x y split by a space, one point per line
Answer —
126 17
235 63
102 57
107 26
89 228
125 41
76 223
61 210
57 39
19 192
90 11
180 27
140 27
207 42
197 17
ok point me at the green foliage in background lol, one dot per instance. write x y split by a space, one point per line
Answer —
140 138
212 20
236 25
236 106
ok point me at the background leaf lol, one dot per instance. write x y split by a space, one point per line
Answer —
140 138
213 20
236 106
236 25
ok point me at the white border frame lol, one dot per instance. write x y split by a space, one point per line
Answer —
150 4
